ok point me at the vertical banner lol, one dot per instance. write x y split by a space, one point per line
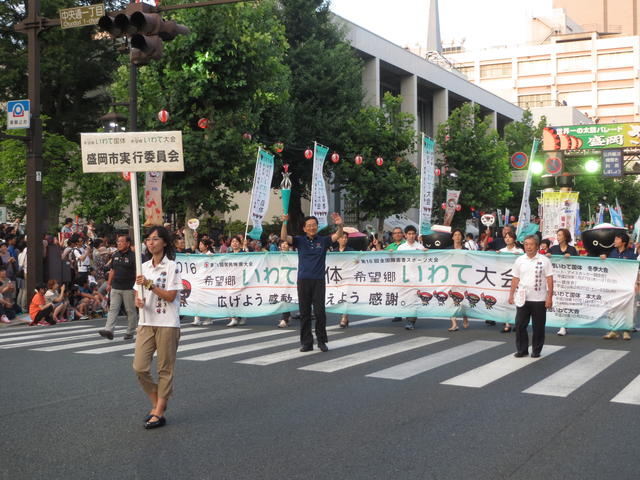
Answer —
260 192
427 177
525 209
153 199
600 214
452 200
560 210
319 201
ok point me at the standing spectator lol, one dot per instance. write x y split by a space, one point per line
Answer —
22 266
532 293
470 243
159 330
412 243
9 262
8 307
67 228
312 252
120 284
179 244
80 258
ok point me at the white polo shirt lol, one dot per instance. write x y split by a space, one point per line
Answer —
414 246
533 273
159 312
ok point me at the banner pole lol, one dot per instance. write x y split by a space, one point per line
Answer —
255 172
135 214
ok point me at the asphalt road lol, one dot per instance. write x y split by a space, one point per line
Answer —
402 405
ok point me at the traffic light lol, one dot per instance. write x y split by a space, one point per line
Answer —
147 31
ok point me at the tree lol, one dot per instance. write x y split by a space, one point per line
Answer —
233 75
467 142
379 191
326 90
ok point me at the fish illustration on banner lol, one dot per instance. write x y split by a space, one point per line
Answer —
260 192
427 180
319 200
452 201
153 199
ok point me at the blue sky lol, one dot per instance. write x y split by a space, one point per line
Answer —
481 22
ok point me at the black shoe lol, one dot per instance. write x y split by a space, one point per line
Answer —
106 334
128 336
397 319
535 355
306 348
323 347
521 354
156 424
490 322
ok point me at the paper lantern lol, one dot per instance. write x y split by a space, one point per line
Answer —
246 136
335 158
163 116
437 172
358 159
379 161
458 207
308 154
126 176
444 206
203 123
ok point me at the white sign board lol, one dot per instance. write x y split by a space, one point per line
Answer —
3 214
518 175
18 114
132 152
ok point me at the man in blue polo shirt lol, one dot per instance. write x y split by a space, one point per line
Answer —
312 251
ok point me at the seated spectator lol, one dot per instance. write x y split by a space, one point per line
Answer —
57 299
41 311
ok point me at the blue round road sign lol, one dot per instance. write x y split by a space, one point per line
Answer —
553 165
519 160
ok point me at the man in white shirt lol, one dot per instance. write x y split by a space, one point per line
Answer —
412 243
532 293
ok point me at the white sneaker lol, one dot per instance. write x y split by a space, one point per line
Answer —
242 321
197 321
283 324
5 319
233 322
562 332
208 322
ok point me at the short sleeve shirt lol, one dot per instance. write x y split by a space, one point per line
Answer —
311 256
555 250
628 254
533 273
123 265
393 246
413 246
159 312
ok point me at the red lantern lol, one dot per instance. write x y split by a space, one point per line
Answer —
358 159
458 207
447 138
444 206
286 167
203 123
335 158
308 154
379 161
512 218
473 209
279 147
246 136
126 176
163 116
437 172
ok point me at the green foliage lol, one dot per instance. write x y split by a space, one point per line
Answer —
372 190
467 142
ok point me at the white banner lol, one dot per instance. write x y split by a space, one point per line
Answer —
427 178
153 199
132 152
319 201
589 292
452 201
261 191
559 210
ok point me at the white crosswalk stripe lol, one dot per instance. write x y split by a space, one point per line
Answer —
44 332
56 339
71 346
293 354
228 352
629 394
183 337
489 373
370 355
568 379
435 360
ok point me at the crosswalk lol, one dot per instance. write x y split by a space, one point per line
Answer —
382 356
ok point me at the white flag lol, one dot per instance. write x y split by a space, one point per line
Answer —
319 200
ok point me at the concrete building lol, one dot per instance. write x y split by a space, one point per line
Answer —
596 72
612 16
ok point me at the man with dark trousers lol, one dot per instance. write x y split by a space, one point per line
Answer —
532 293
312 252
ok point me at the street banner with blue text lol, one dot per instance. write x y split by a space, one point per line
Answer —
260 192
427 179
319 201
588 293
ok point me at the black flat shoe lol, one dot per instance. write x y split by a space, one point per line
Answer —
106 334
306 348
323 347
520 355
157 424
535 355
490 322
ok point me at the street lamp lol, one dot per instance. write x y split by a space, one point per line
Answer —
112 122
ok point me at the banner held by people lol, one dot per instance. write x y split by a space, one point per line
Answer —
319 200
427 181
260 192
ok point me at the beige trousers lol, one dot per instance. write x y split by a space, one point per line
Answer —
164 341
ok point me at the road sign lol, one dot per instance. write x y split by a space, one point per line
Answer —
612 163
518 175
519 160
18 114
81 16
132 152
553 165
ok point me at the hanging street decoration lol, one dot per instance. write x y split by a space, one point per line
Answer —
246 136
163 116
358 159
379 161
308 154
335 158
203 123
